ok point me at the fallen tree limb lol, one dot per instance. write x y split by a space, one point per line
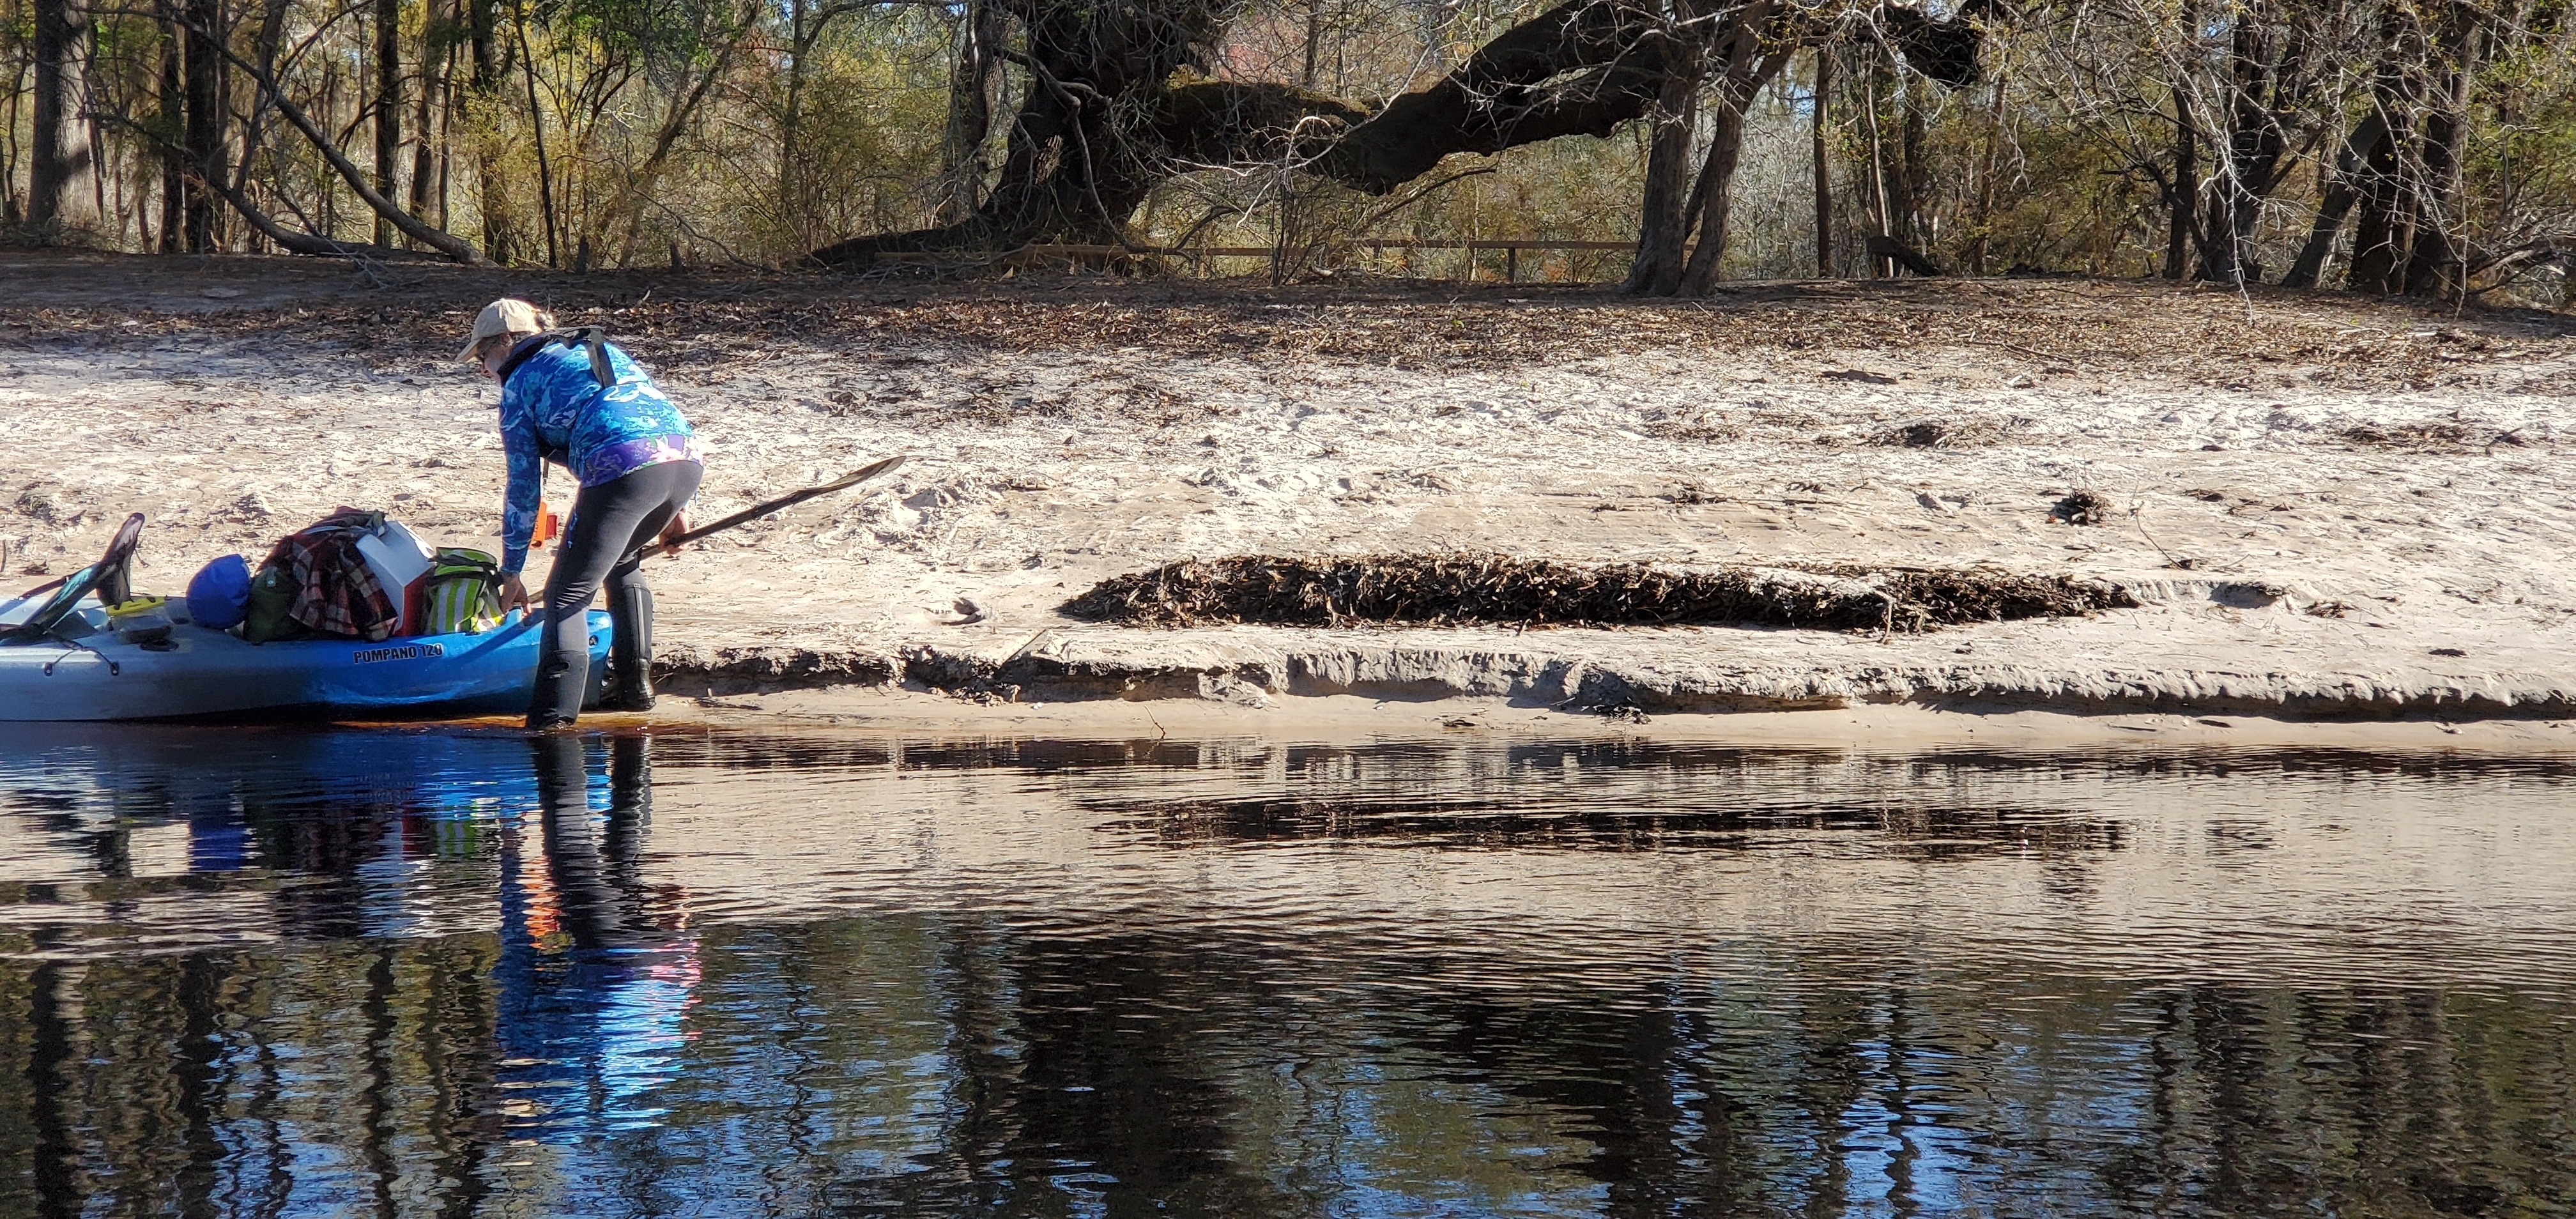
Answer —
290 240
429 235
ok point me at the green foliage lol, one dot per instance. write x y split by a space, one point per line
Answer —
2522 168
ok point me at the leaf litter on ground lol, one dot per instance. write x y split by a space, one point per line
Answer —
1493 589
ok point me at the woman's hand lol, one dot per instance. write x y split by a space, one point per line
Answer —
668 541
514 595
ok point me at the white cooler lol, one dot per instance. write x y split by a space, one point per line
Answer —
399 561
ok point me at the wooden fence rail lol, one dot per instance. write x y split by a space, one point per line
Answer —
1511 248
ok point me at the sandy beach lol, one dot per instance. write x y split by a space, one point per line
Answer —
2328 508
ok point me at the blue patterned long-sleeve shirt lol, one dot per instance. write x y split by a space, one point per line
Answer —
553 408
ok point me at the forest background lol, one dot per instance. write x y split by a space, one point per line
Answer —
2390 146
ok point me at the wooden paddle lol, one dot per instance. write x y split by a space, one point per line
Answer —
766 507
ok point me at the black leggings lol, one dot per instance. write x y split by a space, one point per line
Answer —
611 525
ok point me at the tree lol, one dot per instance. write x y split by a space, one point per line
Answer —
1736 56
168 125
208 105
438 39
63 182
386 114
2336 200
2407 238
2265 76
982 40
2272 95
1119 101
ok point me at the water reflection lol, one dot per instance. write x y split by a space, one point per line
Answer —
454 974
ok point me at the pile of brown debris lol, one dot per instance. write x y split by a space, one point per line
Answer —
1468 589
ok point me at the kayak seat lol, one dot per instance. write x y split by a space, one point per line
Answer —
110 578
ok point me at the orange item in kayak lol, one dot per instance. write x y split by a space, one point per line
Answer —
549 527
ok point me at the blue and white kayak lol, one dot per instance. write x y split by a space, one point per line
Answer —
86 672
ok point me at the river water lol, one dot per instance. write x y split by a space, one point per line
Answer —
434 971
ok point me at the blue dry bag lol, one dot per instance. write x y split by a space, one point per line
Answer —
219 594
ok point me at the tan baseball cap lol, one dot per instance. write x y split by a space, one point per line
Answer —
508 315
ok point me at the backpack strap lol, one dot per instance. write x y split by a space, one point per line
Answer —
594 341
590 339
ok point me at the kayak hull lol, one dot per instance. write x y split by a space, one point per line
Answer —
202 672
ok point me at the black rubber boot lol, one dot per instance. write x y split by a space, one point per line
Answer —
557 674
557 697
630 650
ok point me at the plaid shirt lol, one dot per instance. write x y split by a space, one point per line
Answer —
336 593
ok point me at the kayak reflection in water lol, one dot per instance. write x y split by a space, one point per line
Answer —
572 398
596 978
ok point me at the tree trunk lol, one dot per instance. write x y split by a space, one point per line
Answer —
1823 173
1874 187
2183 189
1912 171
1990 165
2383 237
2337 201
1101 122
482 37
269 45
537 125
1748 70
2231 199
125 195
1662 227
437 59
2438 264
2266 87
1717 176
1314 41
791 116
13 206
970 110
172 123
387 109
209 122
63 171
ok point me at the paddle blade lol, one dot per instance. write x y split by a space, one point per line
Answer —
862 474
